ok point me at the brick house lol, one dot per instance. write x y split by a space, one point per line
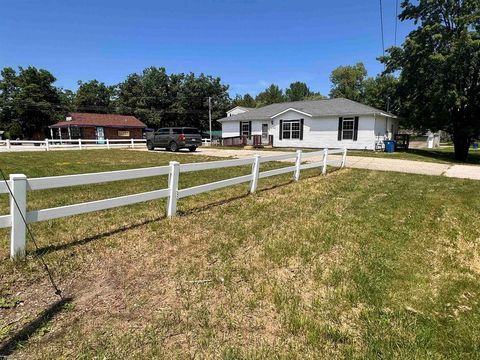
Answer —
97 127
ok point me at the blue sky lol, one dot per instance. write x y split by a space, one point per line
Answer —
248 43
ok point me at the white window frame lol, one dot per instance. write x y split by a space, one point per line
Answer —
264 133
352 130
290 130
123 133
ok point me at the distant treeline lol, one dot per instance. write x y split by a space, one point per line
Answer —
29 100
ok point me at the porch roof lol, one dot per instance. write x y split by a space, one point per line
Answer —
100 120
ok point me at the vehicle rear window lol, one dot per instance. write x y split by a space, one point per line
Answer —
191 131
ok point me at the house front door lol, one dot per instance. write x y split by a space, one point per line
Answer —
264 131
100 134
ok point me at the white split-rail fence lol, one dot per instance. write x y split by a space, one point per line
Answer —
52 144
19 185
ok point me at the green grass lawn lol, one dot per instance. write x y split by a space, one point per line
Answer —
443 155
440 155
355 264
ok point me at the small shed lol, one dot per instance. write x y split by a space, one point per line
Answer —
98 127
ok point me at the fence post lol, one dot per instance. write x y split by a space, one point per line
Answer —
255 172
173 188
47 147
80 143
8 144
108 144
344 157
325 155
298 162
133 144
18 207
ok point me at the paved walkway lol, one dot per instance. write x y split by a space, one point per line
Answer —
371 163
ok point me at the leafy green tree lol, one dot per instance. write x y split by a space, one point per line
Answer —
67 100
246 100
146 96
348 81
381 93
271 95
8 89
14 130
129 95
315 96
94 96
297 91
191 100
439 66
28 101
160 99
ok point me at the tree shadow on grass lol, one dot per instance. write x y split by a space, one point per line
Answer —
29 329
448 156
56 247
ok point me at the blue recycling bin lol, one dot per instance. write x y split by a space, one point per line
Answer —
389 146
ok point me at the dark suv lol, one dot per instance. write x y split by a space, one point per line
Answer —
174 138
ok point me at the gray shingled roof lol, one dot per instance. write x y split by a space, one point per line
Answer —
329 107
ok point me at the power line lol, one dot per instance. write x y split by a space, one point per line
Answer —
381 27
396 21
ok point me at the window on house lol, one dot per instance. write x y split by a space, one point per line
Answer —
291 129
123 133
347 128
245 129
75 132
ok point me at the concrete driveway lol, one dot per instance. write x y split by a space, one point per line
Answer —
359 162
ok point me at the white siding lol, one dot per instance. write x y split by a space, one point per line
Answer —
383 125
257 126
319 132
322 132
230 129
380 127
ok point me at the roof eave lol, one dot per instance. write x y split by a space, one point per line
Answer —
386 115
54 126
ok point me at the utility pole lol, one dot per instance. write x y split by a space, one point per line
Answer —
210 117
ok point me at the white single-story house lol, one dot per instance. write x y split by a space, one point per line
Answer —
328 123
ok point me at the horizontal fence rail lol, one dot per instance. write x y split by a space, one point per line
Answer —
53 182
18 185
213 186
76 209
51 144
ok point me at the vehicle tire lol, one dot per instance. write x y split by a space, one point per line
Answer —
173 146
150 146
192 148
